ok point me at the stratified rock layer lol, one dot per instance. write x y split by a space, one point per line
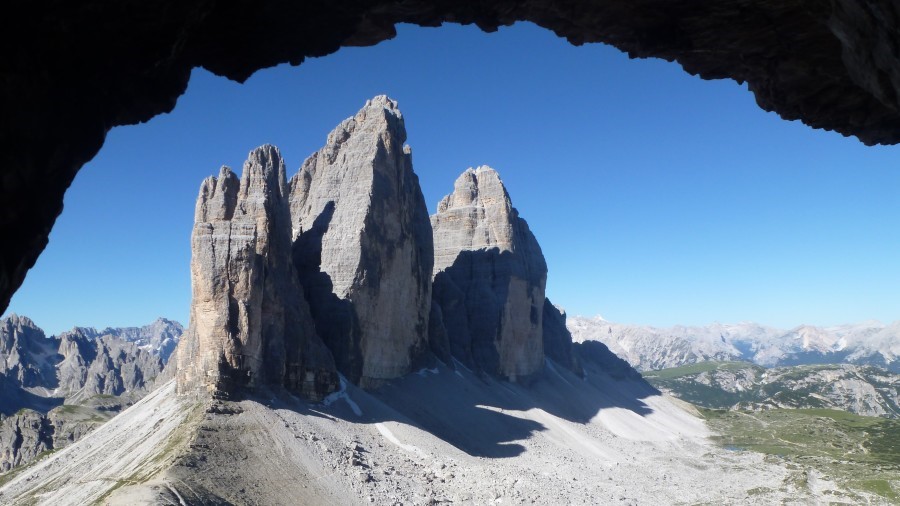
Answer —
489 278
363 245
250 325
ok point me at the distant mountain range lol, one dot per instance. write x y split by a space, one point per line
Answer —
53 390
158 338
864 390
869 343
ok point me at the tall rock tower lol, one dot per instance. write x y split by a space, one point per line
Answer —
489 278
363 245
250 324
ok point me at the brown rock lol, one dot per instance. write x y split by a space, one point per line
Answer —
249 321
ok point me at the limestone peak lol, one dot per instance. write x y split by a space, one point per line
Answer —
363 244
482 247
249 325
386 102
480 187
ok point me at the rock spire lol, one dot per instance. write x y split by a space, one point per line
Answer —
489 278
363 245
250 324
342 270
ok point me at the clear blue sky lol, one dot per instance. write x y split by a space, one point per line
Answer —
657 197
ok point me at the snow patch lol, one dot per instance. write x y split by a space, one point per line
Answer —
343 395
386 432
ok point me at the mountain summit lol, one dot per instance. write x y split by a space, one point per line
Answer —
362 245
489 278
250 325
332 272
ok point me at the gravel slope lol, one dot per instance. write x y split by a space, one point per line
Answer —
131 448
439 436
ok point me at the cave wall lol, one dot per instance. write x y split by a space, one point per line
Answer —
70 71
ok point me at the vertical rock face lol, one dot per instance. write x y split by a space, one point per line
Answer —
489 278
250 324
557 338
24 353
23 436
363 245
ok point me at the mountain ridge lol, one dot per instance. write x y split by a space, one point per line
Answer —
56 389
651 348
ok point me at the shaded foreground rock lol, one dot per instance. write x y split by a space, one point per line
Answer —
23 436
250 325
363 246
489 278
28 434
557 338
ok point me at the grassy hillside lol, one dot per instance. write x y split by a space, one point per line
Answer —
692 369
855 455
703 383
720 385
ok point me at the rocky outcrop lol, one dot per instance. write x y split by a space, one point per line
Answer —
489 278
26 355
104 365
363 245
23 436
557 338
27 434
250 325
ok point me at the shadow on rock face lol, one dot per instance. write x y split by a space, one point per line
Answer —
334 317
605 361
464 403
475 300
